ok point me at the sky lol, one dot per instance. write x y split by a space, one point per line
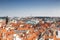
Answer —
24 8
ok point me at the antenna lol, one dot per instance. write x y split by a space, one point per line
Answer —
30 15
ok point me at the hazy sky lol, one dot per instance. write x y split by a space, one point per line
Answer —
29 7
